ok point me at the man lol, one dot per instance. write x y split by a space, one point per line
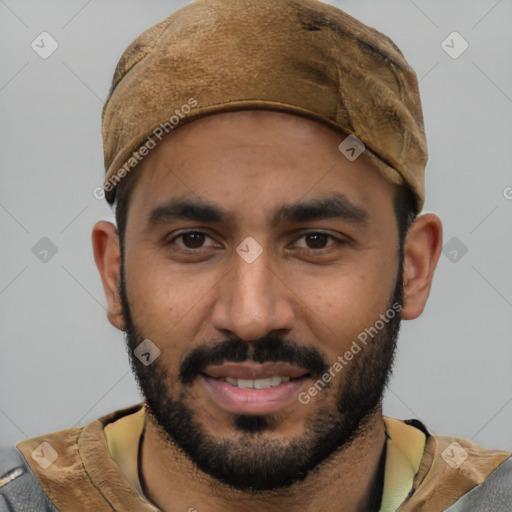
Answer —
266 161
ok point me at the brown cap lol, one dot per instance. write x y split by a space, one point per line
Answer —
302 57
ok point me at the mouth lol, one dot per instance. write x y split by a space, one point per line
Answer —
268 382
254 388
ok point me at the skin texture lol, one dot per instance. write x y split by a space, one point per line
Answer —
316 292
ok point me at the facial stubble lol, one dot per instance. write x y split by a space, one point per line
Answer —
252 457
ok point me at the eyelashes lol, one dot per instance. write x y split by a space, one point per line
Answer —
194 241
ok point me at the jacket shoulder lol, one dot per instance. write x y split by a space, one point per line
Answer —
20 490
494 494
457 475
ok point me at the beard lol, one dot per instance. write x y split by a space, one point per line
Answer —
253 458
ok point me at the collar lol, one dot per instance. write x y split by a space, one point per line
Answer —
405 447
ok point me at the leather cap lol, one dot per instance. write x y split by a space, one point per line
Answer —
302 57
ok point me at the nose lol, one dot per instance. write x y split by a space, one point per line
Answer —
253 301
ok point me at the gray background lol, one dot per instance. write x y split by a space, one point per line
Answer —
62 364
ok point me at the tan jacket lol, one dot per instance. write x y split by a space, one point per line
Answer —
84 477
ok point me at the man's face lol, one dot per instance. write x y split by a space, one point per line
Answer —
255 255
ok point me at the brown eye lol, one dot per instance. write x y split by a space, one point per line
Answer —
193 240
316 240
192 243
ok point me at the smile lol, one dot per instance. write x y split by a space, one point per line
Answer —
265 383
254 388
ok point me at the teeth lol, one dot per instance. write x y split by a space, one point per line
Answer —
257 383
242 383
275 381
263 383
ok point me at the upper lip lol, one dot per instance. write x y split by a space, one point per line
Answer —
250 370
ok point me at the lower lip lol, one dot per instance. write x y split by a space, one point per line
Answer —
253 401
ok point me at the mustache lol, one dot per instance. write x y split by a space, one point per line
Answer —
269 348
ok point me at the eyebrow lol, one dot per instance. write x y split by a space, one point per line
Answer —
336 206
182 208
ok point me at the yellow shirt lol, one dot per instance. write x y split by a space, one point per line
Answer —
405 448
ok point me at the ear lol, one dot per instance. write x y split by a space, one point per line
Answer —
107 254
422 249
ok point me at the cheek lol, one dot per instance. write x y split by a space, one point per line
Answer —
341 303
164 298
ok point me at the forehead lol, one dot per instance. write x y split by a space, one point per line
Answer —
248 159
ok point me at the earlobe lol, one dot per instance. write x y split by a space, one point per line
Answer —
107 255
422 249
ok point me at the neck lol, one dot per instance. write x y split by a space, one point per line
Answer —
350 479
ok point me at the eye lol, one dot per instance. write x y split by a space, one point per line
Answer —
316 240
191 240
